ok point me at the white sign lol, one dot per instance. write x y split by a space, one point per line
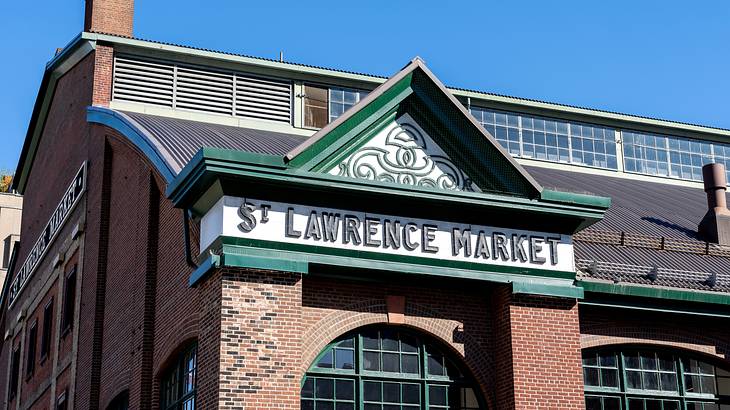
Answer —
383 234
68 202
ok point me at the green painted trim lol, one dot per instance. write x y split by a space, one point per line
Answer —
297 261
550 195
115 121
341 136
357 142
72 53
367 257
207 165
212 262
659 293
251 158
539 287
264 262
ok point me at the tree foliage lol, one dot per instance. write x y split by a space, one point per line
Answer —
5 182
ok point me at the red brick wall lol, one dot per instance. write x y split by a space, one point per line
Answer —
603 326
209 348
42 375
538 355
110 16
260 335
103 75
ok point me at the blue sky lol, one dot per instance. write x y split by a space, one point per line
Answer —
665 59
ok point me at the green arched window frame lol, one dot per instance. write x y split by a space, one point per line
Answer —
388 368
651 378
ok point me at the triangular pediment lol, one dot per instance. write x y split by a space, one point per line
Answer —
404 153
412 131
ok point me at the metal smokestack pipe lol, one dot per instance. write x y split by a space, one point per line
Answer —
715 181
715 226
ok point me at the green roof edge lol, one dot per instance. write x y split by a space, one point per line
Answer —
595 201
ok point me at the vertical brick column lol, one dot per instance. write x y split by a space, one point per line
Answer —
260 332
537 351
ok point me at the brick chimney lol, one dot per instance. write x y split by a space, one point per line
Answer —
715 226
110 16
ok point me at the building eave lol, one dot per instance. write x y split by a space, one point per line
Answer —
71 54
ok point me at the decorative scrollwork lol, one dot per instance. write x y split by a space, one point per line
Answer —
404 158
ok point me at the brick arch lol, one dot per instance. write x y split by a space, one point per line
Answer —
417 317
676 338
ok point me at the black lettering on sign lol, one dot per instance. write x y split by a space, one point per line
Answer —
248 220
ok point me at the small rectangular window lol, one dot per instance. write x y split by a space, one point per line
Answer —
62 401
31 350
316 101
14 373
6 252
47 329
69 301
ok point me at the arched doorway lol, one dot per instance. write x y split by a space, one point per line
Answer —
388 368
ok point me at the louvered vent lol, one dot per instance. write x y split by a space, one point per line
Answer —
263 98
143 81
204 91
193 88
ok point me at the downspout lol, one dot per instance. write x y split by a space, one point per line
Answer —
186 234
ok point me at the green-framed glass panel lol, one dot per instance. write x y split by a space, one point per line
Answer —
638 378
387 368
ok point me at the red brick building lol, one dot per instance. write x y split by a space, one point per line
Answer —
206 230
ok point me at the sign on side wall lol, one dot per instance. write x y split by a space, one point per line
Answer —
68 202
385 235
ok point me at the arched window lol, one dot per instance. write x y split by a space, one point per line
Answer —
387 368
121 402
177 387
650 379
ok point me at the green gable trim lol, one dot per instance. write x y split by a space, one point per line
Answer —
550 195
471 269
357 142
416 91
337 138
297 261
658 293
76 50
210 165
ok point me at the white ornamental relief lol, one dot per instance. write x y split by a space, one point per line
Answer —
403 153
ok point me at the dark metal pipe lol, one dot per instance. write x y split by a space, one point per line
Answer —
186 234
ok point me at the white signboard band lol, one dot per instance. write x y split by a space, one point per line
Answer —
383 234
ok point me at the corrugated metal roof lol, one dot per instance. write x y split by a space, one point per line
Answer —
641 207
649 209
181 139
646 209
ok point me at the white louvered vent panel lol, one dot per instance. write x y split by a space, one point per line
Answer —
263 98
208 91
143 81
197 89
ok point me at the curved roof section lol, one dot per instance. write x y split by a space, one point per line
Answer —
170 143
